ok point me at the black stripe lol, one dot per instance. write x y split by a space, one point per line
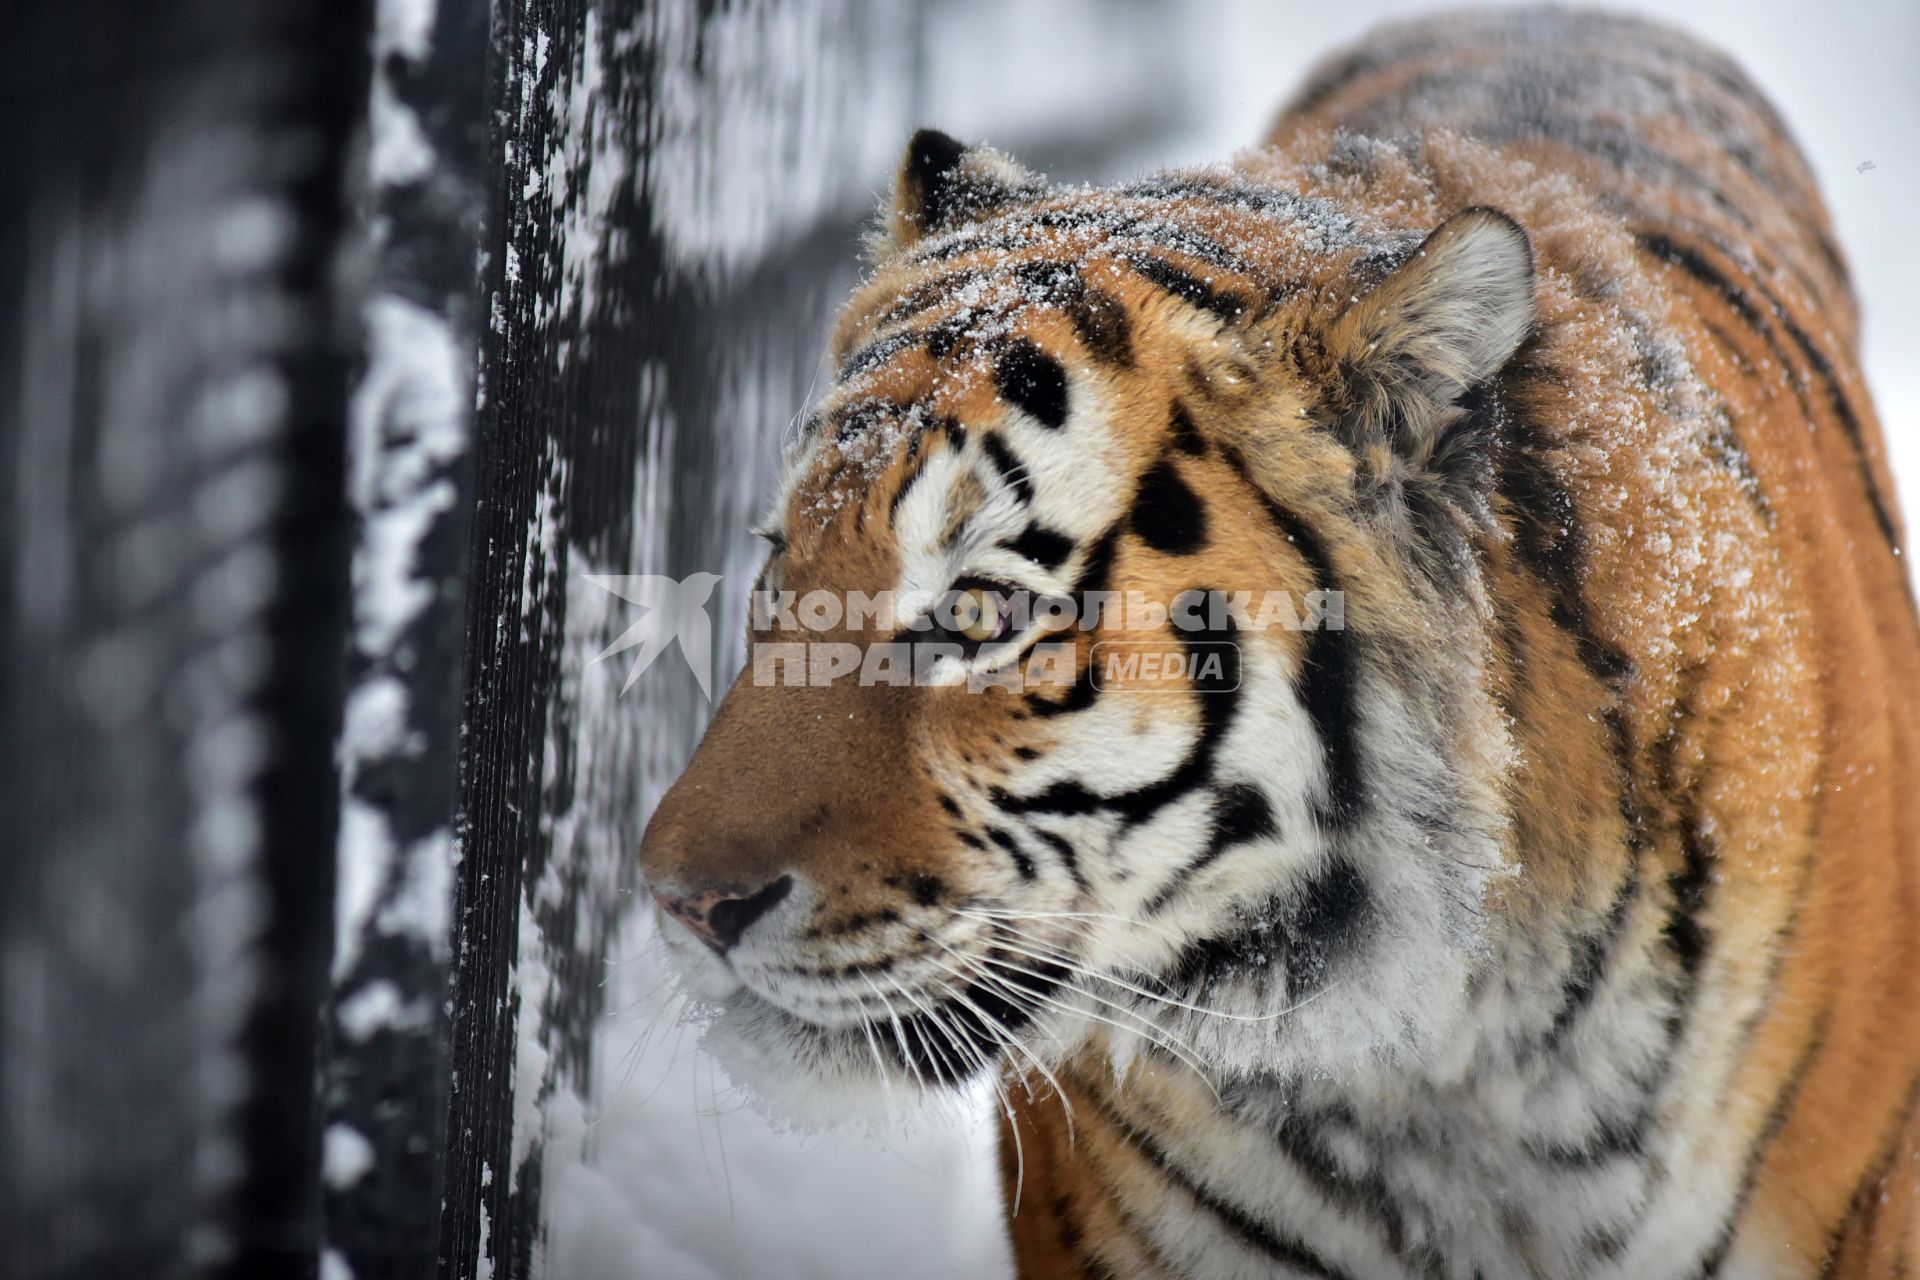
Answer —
1725 447
1547 535
1140 1248
1783 1100
1079 696
1593 959
1734 353
916 465
1332 79
1696 265
877 352
1186 437
1725 74
1864 1205
1626 1135
1330 220
1033 382
1691 885
1686 938
1100 322
1094 576
1064 850
1525 99
1288 1251
1022 862
931 292
1240 814
1843 412
1358 1195
1302 931
1625 147
1148 226
1074 1244
1329 673
1224 305
1013 472
1048 548
1167 515
1688 885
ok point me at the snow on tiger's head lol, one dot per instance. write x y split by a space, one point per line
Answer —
1071 686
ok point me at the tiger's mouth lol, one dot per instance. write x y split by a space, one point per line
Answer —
965 1002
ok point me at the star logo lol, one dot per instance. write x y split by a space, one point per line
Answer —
672 611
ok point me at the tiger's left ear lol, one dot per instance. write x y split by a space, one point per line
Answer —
1445 321
944 183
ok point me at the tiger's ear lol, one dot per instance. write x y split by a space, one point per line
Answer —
1445 321
943 183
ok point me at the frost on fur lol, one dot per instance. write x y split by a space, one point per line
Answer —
1446 321
942 183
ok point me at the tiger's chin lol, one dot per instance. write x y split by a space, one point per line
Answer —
839 1067
877 1073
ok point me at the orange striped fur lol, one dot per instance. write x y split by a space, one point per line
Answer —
1560 915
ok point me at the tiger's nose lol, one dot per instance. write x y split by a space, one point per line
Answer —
719 916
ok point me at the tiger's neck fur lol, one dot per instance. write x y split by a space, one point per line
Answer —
1675 1033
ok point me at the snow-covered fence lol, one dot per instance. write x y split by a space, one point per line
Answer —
338 395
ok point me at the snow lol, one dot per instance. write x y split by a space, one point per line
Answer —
724 133
408 425
686 1184
377 1005
408 419
405 27
346 1156
399 152
661 1172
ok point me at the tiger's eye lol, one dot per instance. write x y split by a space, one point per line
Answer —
975 615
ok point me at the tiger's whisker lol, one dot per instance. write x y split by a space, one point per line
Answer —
1006 1037
1148 1030
1082 970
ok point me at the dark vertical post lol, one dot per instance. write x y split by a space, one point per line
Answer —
554 475
172 589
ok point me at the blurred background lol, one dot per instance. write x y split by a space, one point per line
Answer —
402 330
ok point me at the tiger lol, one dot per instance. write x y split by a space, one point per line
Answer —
1539 896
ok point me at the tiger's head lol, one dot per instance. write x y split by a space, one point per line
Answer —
941 825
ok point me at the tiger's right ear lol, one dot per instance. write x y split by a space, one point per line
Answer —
1447 320
944 183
